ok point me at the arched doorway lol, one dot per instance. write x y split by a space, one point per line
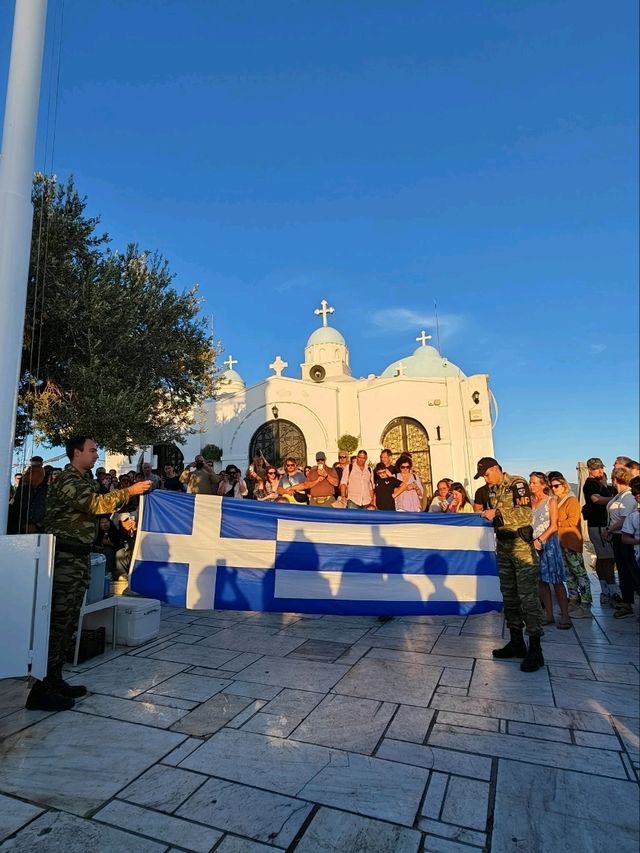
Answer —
406 434
168 454
278 439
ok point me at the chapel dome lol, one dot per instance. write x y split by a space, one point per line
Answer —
425 362
325 335
231 376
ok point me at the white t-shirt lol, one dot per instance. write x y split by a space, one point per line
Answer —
632 527
620 506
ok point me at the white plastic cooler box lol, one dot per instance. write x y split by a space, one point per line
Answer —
138 620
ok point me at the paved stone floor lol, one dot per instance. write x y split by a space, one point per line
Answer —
246 732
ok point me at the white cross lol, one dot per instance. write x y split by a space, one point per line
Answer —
323 310
230 362
278 365
204 550
423 338
400 368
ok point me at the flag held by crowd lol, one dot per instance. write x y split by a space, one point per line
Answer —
201 551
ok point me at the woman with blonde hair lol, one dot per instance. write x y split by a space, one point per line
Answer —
571 541
547 544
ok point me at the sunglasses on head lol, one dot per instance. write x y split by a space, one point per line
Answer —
271 472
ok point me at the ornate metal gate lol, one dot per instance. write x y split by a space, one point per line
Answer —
406 434
278 439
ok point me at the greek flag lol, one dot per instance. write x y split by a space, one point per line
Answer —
202 552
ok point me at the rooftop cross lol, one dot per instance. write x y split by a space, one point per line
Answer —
278 365
230 362
323 310
400 368
423 337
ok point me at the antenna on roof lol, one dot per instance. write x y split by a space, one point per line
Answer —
435 310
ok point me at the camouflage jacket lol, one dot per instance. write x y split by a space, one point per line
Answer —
512 501
74 503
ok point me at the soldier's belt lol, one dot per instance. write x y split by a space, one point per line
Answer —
73 548
504 534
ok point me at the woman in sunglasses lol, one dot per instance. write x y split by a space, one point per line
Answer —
547 545
408 495
267 489
571 540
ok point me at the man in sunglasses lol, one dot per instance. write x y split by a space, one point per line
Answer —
339 466
512 517
322 481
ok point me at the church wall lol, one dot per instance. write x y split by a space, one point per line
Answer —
313 408
423 399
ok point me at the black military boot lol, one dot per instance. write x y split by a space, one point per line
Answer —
515 648
43 696
533 660
70 691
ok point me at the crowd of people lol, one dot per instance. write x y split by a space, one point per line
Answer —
354 482
537 524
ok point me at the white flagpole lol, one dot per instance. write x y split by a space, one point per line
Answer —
16 213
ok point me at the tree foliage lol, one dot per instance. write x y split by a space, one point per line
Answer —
348 443
212 451
110 348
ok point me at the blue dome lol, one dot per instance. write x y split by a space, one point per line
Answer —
425 362
326 335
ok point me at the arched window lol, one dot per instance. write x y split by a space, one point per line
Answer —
278 439
403 435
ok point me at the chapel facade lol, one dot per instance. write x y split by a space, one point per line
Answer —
422 403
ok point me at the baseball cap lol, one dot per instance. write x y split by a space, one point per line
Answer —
594 463
320 456
484 464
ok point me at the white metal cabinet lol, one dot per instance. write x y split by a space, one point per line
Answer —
26 575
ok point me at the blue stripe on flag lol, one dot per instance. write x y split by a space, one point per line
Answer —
248 519
387 559
165 581
168 512
258 520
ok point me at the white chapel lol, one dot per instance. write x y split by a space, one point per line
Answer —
422 403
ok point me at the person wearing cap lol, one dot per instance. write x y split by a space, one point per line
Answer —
597 494
512 517
322 481
73 507
199 478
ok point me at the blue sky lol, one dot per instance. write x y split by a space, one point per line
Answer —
380 155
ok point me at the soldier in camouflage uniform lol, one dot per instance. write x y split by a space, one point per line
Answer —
511 514
74 503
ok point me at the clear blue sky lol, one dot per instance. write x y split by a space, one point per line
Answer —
381 155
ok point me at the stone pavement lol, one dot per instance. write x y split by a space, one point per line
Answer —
247 732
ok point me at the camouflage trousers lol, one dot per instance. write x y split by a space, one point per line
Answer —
578 586
71 574
518 570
